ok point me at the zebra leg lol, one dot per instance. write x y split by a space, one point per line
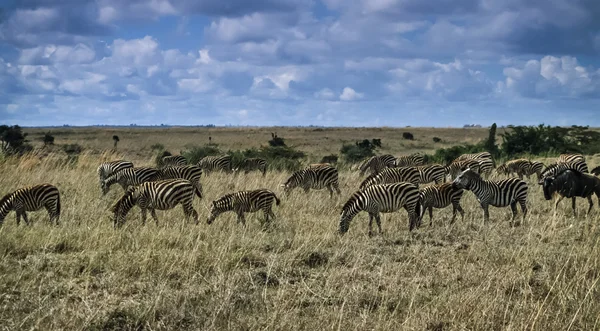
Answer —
371 216
430 209
189 211
336 186
523 204
591 204
25 218
378 220
513 207
330 191
573 205
143 216
241 218
18 217
153 213
52 213
486 213
461 211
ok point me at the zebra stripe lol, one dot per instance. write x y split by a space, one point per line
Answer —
251 164
441 196
486 167
318 165
244 202
189 172
130 176
393 175
157 195
569 158
500 193
413 160
108 168
377 163
475 156
518 166
535 167
556 168
432 173
316 179
456 167
172 161
215 163
382 198
31 198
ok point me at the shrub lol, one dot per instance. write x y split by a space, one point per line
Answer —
332 158
157 147
408 136
13 140
359 151
437 140
278 158
194 153
48 139
277 142
72 149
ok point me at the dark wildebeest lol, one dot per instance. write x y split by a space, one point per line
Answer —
571 184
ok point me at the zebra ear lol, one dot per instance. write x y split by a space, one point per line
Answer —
214 203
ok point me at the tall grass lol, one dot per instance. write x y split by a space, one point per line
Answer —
296 273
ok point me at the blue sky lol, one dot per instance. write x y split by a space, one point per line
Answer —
300 62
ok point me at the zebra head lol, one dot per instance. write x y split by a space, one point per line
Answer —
123 206
220 206
104 187
349 210
465 179
294 181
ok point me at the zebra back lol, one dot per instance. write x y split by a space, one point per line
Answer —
256 163
244 202
496 193
312 178
214 163
106 169
172 160
431 173
412 160
556 168
32 198
188 172
130 176
439 196
382 198
392 175
569 158
456 167
378 163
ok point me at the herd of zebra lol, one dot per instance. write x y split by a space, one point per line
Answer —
392 184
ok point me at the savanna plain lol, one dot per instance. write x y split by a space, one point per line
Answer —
296 273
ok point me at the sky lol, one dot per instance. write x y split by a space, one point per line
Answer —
300 62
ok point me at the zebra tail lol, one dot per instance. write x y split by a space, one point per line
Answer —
277 201
198 192
58 204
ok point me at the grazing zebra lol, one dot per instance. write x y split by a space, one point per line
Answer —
188 172
130 176
31 198
393 175
382 198
251 164
441 196
556 168
413 160
432 173
157 195
108 168
377 163
568 158
518 166
496 193
214 163
456 167
172 160
323 177
244 202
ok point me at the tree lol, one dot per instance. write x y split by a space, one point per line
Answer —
490 143
116 140
13 139
48 139
408 136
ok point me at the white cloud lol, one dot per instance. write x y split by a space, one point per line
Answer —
325 94
348 94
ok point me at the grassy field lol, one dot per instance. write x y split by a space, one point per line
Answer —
296 273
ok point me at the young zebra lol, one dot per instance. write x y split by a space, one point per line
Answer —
413 160
31 198
244 202
189 172
500 193
432 173
456 167
382 198
108 168
535 167
518 166
393 175
172 161
157 195
316 179
215 163
441 196
556 168
251 164
377 163
130 176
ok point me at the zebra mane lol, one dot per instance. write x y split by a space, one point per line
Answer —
369 179
299 173
128 195
353 199
5 198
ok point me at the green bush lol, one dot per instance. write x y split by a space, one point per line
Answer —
548 140
278 158
157 147
359 151
194 153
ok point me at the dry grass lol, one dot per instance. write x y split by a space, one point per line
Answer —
297 273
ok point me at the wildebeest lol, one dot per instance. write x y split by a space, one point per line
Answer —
571 184
595 171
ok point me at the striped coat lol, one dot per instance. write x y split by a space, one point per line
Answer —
376 164
216 163
188 172
392 175
31 198
432 173
441 196
172 161
108 168
245 202
382 198
316 179
413 160
130 176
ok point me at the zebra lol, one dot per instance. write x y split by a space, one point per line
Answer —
108 168
568 158
323 177
130 176
31 198
519 166
475 156
382 198
486 166
535 167
441 196
496 193
393 175
250 164
245 202
432 173
214 163
456 167
377 163
188 172
556 168
172 160
157 195
412 160
318 165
